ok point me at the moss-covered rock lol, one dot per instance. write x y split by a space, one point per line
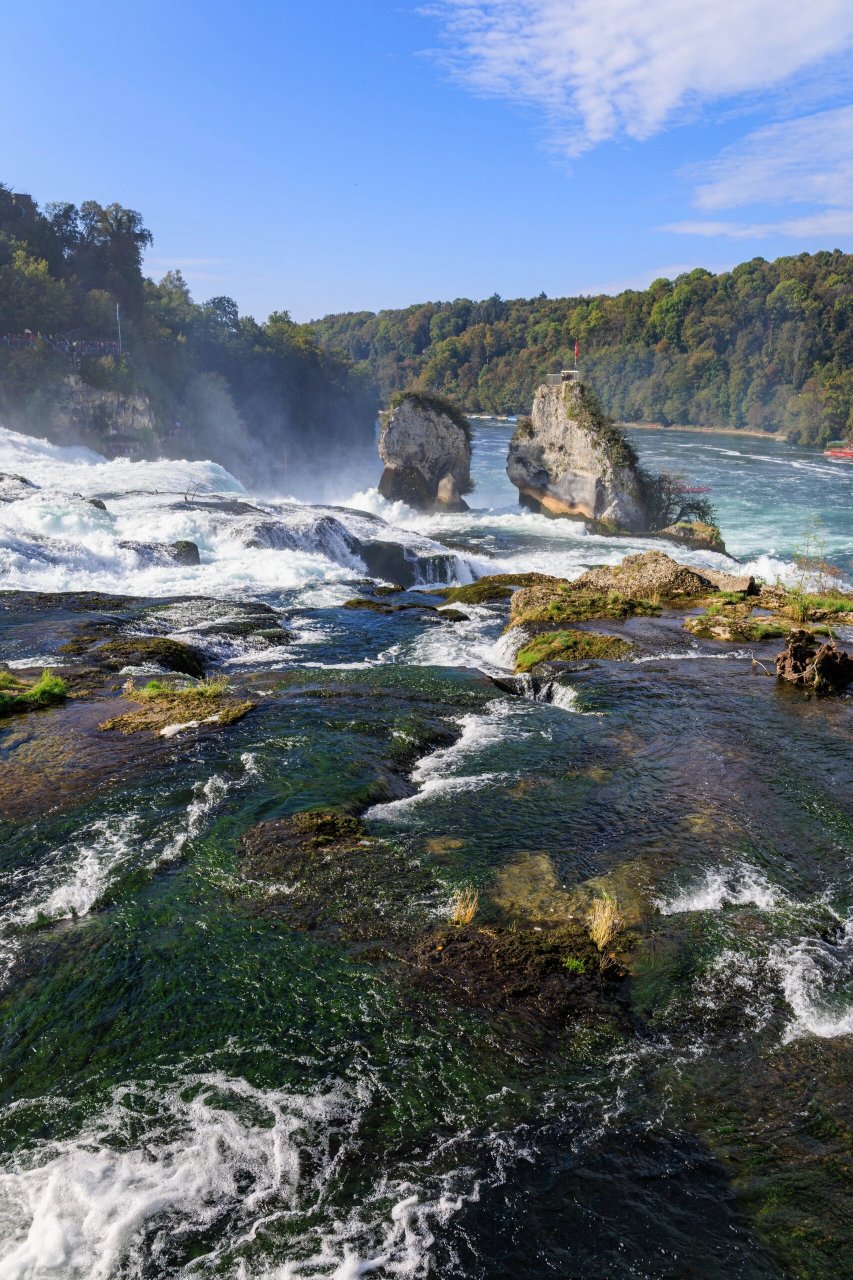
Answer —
732 626
570 646
694 533
136 651
552 605
497 586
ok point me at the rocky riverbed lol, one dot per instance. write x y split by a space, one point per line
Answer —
354 917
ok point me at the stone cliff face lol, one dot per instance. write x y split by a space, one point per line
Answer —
427 456
81 412
569 460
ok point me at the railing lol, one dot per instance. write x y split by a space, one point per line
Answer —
59 343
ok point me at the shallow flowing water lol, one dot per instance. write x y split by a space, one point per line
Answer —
193 1088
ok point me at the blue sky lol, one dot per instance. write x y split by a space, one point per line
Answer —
334 156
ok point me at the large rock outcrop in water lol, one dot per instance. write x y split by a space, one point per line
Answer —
426 447
568 459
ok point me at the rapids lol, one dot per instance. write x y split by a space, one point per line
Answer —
192 1088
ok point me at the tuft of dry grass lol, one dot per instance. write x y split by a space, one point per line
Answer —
464 905
604 921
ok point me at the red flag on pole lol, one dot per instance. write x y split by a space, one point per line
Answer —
577 350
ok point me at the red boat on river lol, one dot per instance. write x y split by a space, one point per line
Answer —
844 454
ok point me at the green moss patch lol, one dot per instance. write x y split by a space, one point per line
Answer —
17 695
570 646
547 605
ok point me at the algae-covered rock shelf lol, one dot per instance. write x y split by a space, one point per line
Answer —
385 883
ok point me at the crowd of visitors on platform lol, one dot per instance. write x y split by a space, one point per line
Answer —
58 342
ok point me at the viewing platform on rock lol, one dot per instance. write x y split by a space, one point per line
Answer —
565 375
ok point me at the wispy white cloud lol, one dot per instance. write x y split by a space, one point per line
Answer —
837 223
807 161
601 69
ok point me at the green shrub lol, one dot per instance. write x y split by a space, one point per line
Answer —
16 695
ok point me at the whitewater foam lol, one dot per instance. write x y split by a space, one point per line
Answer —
725 887
817 982
454 768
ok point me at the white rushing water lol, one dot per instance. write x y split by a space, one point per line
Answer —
52 537
809 970
217 1149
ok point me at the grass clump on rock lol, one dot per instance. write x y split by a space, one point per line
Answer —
604 921
804 606
464 905
165 709
570 646
16 695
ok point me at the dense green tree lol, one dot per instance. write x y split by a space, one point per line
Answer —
768 345
263 399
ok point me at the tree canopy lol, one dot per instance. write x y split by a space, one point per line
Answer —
263 396
768 345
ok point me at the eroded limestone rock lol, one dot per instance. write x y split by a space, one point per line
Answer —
426 449
569 459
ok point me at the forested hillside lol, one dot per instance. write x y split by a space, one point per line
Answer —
261 398
768 345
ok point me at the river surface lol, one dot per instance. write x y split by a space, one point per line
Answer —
193 1088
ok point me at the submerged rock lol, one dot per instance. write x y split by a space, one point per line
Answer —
13 487
823 668
548 975
320 870
426 447
569 459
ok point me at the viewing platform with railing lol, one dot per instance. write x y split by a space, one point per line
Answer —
565 375
60 343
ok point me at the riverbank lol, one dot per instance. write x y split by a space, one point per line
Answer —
706 431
